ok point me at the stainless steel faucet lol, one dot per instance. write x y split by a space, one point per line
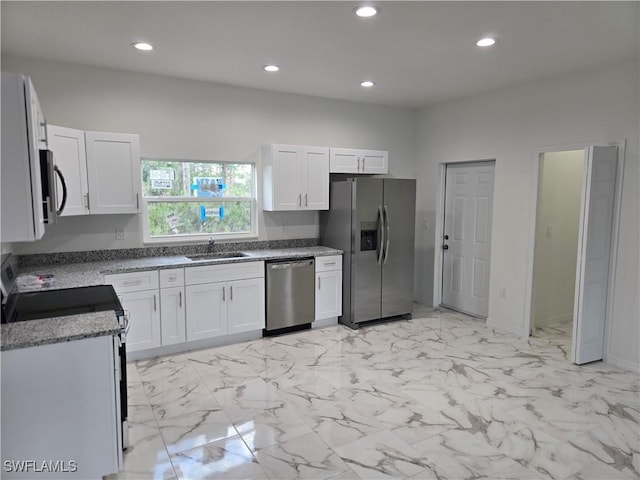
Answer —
210 245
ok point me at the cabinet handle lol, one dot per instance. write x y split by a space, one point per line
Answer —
319 282
363 167
131 283
231 293
306 200
86 198
329 263
137 201
300 200
358 163
223 295
155 303
180 298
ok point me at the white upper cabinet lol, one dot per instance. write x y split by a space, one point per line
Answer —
113 170
101 170
351 160
67 145
295 178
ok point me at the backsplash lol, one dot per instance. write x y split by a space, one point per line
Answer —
129 253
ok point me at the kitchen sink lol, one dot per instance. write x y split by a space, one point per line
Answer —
216 256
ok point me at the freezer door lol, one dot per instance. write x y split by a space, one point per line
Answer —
397 266
366 273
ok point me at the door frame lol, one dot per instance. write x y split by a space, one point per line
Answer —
438 253
613 254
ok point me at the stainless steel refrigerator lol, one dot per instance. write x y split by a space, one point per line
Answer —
373 221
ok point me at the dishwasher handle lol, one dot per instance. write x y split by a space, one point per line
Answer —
288 265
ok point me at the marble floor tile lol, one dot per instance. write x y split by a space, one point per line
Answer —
225 459
301 457
384 455
195 429
440 396
179 401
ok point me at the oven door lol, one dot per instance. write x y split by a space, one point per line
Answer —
122 355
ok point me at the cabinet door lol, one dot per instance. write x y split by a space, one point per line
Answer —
113 170
67 145
246 305
375 161
316 178
286 177
344 160
144 319
328 294
172 315
206 311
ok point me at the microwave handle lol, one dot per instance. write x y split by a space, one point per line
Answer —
64 190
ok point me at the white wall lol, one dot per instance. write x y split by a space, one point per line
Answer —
556 244
510 125
179 118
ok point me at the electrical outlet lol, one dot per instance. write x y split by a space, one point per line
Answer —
503 292
427 224
119 233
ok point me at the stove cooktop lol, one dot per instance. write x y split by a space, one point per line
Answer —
61 302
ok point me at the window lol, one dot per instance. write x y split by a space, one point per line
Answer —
185 200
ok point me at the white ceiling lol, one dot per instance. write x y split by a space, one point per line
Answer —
418 53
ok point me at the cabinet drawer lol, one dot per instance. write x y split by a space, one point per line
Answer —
223 273
333 262
133 282
172 277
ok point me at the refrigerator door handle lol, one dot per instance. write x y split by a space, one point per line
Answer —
382 232
386 236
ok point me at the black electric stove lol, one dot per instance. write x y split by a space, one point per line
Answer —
20 307
62 302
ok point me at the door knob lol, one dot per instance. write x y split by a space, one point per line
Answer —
446 237
445 247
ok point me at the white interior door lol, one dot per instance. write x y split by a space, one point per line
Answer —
467 237
594 249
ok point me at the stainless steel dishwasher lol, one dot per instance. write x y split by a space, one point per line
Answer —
290 295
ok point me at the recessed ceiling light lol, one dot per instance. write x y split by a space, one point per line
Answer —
366 11
271 68
367 83
143 46
486 42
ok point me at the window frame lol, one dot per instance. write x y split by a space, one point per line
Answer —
199 237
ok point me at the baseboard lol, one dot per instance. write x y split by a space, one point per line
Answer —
558 318
519 332
194 345
623 364
325 322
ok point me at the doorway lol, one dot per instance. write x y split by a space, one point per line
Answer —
560 176
466 237
575 230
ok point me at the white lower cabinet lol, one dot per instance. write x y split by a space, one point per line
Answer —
246 305
140 297
144 319
60 405
172 306
207 312
216 307
172 315
328 287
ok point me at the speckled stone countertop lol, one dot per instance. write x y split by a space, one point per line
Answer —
92 273
62 329
58 330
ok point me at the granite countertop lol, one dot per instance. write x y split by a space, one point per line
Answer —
58 330
92 273
74 327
